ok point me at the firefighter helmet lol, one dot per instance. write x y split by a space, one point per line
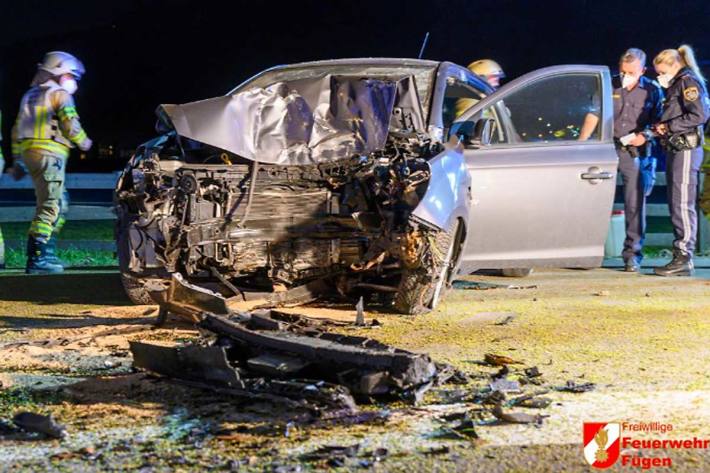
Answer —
59 63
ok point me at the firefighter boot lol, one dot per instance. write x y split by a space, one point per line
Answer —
680 265
51 250
37 261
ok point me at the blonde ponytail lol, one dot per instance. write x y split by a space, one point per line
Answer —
683 55
688 57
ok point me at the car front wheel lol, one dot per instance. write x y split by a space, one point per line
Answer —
421 288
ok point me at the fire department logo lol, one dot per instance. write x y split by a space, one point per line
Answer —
601 443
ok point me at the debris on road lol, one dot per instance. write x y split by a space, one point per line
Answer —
284 358
486 286
38 423
572 387
515 417
499 360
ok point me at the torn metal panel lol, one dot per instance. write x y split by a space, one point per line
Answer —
298 122
186 300
194 363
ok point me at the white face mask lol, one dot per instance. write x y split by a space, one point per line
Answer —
627 81
69 85
665 80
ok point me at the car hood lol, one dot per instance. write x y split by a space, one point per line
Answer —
304 121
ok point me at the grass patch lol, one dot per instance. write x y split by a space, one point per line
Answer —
26 399
16 258
98 230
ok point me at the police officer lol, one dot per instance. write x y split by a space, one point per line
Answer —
2 168
638 103
685 111
47 127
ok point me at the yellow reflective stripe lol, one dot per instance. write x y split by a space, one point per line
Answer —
39 228
46 145
16 148
38 120
67 112
81 136
60 224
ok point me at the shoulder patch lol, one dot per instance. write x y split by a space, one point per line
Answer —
691 94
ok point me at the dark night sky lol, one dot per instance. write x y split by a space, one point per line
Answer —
140 53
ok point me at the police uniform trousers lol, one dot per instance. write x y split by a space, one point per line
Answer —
634 204
682 182
2 240
48 172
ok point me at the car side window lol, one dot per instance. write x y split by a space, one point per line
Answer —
552 109
458 97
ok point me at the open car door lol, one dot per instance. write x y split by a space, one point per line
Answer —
540 197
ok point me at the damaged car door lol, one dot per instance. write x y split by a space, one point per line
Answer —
540 197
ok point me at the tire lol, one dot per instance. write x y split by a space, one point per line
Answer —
418 291
135 290
132 285
516 272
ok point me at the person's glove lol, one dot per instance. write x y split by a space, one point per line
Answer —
86 144
647 167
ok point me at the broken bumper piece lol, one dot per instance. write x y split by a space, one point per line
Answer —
284 357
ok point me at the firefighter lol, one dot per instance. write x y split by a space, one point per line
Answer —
47 127
489 70
685 111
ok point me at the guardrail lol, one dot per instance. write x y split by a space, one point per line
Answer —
105 181
99 181
661 210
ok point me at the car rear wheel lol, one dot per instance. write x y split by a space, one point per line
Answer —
516 272
421 288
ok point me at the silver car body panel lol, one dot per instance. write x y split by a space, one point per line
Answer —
530 204
447 196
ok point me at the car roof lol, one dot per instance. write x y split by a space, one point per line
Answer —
375 61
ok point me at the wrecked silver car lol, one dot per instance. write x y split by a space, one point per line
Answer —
376 177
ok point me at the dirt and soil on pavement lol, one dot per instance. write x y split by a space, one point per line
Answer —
642 341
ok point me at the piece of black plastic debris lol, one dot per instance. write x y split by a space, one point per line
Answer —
572 387
501 373
489 397
332 451
32 422
380 454
532 372
443 450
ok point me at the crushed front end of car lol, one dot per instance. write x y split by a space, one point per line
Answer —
330 179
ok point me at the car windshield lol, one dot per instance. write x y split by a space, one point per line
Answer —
424 75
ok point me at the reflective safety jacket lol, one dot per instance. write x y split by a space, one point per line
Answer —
47 120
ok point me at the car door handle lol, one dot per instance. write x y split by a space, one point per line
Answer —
594 175
597 175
